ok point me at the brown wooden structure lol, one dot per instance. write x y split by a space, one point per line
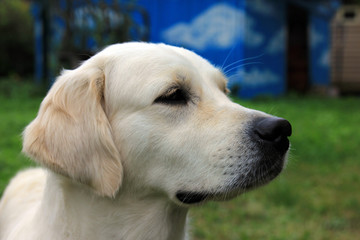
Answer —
345 55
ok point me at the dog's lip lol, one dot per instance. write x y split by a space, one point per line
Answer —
189 197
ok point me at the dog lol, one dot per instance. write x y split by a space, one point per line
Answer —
129 141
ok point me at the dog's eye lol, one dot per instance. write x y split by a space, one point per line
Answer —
174 96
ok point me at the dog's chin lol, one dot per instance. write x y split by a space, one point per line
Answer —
248 185
233 188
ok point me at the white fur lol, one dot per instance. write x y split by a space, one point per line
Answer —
116 158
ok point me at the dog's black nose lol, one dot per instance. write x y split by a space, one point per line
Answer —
273 130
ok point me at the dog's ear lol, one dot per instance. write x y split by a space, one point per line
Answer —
72 135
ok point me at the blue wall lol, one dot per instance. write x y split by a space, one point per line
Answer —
266 34
319 50
246 38
320 15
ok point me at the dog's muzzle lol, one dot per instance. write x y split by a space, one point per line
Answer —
267 137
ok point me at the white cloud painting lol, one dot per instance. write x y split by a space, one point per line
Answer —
324 60
316 37
255 77
220 26
276 43
263 7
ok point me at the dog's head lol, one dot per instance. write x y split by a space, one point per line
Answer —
155 118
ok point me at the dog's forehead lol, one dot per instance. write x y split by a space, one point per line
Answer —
160 60
203 67
140 72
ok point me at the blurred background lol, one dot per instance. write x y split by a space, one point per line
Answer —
297 59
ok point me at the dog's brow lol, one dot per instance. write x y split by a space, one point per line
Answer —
180 80
181 77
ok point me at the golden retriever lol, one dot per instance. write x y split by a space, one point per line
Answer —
129 141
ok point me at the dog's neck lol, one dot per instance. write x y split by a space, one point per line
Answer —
77 213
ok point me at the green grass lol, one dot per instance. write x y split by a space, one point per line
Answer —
317 197
19 102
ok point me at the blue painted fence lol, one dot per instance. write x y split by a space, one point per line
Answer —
246 38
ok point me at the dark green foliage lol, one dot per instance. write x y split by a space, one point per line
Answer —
16 41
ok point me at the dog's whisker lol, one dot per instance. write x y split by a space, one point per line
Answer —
241 60
241 65
228 55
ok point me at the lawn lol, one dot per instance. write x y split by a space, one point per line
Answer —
317 196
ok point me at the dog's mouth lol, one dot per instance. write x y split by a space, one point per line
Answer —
191 198
187 197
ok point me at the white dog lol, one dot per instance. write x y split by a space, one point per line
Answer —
132 138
